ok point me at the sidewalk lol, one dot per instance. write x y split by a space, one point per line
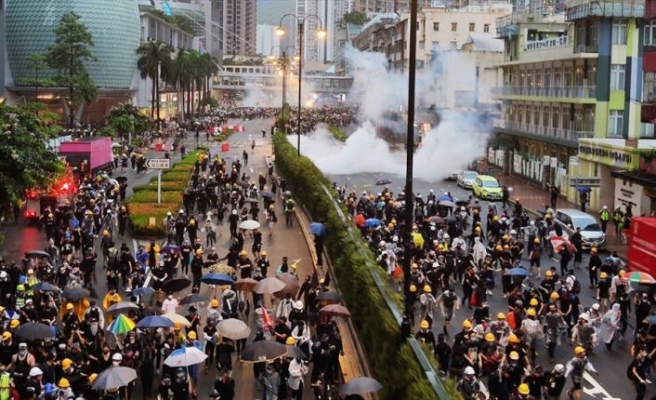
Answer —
534 198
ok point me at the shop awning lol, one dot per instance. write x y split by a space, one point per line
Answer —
641 178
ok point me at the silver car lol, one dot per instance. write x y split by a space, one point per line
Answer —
570 219
466 179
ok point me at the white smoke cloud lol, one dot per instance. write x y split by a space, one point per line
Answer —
452 145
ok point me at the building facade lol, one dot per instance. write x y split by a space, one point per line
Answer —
570 89
237 26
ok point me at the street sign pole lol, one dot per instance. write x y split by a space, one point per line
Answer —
159 164
159 186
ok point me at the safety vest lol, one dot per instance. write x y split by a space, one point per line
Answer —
605 215
5 386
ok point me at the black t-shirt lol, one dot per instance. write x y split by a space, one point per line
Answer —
604 288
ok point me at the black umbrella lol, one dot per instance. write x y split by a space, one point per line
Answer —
76 293
38 253
295 352
251 201
243 184
45 287
176 285
193 299
266 193
329 296
263 350
462 203
34 331
122 179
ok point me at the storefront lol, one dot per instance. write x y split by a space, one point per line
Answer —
637 188
609 160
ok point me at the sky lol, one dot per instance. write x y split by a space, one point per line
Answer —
270 11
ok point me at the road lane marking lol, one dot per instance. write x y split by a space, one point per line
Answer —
596 389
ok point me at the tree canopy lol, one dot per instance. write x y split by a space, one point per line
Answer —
355 17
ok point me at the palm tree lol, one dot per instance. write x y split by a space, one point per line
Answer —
154 61
209 68
181 75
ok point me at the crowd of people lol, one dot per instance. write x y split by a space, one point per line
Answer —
463 253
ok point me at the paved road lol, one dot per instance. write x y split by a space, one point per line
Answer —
612 382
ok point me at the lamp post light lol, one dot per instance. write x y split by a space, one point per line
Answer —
301 27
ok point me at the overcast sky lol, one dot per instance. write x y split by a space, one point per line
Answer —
270 11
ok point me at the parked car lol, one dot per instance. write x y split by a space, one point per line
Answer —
452 175
487 188
466 178
570 219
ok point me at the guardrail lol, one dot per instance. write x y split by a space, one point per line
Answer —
425 364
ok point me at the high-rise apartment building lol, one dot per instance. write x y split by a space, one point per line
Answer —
234 23
331 15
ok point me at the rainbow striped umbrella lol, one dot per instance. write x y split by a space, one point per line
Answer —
121 325
641 277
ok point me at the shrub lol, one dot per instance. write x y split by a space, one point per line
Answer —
150 196
176 176
166 187
390 357
140 215
337 133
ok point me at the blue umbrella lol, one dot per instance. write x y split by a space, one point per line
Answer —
318 229
445 197
143 291
584 189
216 278
518 272
372 222
155 321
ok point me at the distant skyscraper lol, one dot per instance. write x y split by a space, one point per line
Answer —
268 43
235 23
331 13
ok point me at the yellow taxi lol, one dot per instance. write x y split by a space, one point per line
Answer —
487 188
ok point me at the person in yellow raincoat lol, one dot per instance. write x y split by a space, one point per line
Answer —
80 306
112 297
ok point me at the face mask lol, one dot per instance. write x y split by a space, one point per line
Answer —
116 363
22 352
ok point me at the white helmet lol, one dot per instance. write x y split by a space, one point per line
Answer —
595 306
117 357
532 223
470 371
3 275
559 368
36 371
513 232
168 214
585 316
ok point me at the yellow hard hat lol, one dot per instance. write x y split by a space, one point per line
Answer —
177 326
506 247
92 377
423 324
499 247
191 335
579 350
293 266
466 324
501 316
536 240
66 363
622 272
514 355
523 389
63 382
548 274
290 341
427 289
14 323
69 306
603 275
477 229
554 296
214 303
513 338
263 253
243 253
531 312
199 251
495 218
413 288
6 336
593 250
415 266
533 302
105 233
547 216
489 337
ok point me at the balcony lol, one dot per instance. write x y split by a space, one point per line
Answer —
568 137
546 43
549 93
582 9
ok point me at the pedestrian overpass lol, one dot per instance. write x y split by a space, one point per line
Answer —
260 78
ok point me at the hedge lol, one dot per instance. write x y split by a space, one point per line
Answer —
140 215
337 132
152 185
150 196
176 176
391 359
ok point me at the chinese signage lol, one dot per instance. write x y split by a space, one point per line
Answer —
628 193
612 156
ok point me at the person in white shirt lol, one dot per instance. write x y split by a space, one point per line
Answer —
297 369
170 305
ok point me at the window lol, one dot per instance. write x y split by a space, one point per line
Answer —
616 123
649 87
617 77
436 26
435 44
650 34
472 27
454 26
486 28
422 45
619 31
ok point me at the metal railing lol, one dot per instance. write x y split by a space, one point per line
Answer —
547 43
540 130
585 92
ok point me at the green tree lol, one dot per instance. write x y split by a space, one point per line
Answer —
125 119
25 160
67 56
209 67
181 75
37 62
154 62
355 17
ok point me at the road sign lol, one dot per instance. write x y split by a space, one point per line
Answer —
589 181
158 163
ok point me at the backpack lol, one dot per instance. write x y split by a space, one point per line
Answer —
576 286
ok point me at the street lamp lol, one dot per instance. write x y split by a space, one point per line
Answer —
320 33
283 67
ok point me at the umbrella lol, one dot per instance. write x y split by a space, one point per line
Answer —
185 357
445 197
269 285
336 310
37 254
121 325
176 285
295 352
651 320
447 203
155 321
474 206
177 319
122 307
584 189
220 268
462 203
328 296
44 287
437 220
372 222
143 291
114 377
234 329
193 299
641 277
559 242
383 182
517 272
360 385
266 193
243 184
76 293
318 229
215 278
249 224
170 248
291 284
245 285
34 331
263 350
121 179
251 201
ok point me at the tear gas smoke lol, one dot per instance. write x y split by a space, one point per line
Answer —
454 143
